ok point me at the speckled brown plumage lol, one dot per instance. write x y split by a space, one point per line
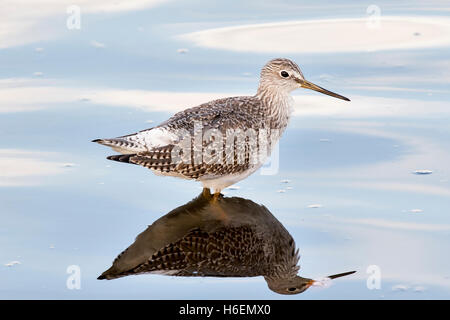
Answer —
231 113
232 237
228 237
231 252
267 111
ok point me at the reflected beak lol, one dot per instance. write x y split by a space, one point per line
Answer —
309 85
325 282
334 276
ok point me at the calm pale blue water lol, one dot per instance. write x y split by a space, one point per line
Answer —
353 199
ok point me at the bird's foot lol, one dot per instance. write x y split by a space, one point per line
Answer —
216 197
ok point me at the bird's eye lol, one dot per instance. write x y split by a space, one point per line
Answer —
292 289
284 74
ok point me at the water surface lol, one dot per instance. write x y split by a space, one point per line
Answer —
352 200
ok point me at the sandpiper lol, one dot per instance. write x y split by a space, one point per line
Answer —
232 237
223 141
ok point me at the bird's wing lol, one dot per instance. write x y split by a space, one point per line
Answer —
161 161
220 114
198 235
226 252
176 138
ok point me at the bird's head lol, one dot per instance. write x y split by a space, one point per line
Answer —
293 285
296 284
286 76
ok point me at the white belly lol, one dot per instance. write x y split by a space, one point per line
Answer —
218 183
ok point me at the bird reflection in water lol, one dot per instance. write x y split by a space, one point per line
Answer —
224 237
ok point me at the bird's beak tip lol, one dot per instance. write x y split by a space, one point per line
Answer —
334 276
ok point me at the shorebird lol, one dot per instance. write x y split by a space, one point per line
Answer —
228 125
233 237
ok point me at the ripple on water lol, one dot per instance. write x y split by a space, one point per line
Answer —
12 263
422 171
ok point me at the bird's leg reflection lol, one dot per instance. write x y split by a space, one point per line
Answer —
220 212
226 237
207 194
214 199
216 196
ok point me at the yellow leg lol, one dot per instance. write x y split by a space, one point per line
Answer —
216 195
218 207
206 193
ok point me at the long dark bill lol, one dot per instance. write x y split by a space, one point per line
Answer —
309 85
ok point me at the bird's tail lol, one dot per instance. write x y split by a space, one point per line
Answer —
121 157
121 145
112 273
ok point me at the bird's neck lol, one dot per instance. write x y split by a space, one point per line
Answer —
282 275
278 105
285 265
